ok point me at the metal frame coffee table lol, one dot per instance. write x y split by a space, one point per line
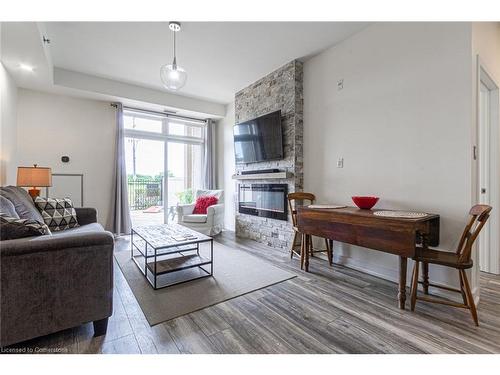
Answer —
156 251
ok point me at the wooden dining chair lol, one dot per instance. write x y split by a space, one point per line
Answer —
298 241
460 260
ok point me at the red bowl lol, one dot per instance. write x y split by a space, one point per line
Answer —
365 203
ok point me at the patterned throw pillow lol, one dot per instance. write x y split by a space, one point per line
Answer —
203 202
13 227
58 214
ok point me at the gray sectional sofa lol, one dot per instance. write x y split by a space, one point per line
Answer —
54 282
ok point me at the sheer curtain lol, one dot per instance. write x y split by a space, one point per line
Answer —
121 223
208 157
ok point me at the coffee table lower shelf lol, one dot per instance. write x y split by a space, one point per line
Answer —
195 267
165 267
177 264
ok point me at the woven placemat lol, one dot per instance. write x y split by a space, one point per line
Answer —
326 206
401 214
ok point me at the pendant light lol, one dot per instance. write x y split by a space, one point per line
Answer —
172 75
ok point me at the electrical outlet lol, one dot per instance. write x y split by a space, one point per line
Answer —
340 163
340 84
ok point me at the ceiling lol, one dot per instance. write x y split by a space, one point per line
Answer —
220 57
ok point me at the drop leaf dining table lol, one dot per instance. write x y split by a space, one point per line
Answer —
394 235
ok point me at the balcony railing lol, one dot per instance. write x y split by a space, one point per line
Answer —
143 194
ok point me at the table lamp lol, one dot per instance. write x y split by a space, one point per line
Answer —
34 177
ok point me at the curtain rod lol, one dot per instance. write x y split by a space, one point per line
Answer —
163 114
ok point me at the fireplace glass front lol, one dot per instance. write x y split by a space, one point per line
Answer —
265 200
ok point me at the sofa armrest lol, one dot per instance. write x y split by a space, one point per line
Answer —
215 214
215 209
184 209
86 215
23 246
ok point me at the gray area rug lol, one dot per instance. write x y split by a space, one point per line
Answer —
235 273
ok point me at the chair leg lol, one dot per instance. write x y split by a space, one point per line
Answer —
307 252
311 249
462 290
293 244
470 299
329 252
414 286
302 250
425 274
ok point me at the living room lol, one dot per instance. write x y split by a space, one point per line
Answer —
283 187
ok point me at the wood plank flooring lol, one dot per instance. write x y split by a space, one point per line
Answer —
329 310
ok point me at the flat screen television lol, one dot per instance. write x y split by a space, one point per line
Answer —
259 139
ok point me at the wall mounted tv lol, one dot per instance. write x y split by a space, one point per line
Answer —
259 139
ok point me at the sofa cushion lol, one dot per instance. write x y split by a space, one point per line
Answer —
22 202
58 214
12 228
194 218
88 228
7 207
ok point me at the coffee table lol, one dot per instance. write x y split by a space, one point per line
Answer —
165 249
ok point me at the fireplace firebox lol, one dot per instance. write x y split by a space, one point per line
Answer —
264 200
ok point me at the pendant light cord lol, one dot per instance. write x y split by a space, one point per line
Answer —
174 64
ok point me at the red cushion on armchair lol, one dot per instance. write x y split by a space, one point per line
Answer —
203 202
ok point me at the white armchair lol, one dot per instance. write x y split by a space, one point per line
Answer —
210 224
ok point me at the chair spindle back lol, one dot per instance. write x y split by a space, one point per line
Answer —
292 203
479 215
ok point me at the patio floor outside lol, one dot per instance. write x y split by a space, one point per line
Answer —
139 217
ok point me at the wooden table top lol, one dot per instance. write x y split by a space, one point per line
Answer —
367 213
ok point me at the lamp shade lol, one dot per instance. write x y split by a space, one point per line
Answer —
34 176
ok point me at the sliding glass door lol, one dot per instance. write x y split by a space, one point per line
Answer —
184 166
145 174
164 165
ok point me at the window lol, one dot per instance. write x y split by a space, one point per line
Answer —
182 129
137 122
164 159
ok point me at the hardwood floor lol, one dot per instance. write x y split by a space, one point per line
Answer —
329 310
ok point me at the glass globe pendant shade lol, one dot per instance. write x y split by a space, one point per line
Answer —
173 77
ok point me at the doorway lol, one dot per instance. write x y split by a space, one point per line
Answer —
488 169
163 157
145 164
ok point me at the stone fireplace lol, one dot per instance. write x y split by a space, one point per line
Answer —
279 90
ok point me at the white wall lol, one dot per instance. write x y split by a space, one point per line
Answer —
50 126
8 126
141 96
486 43
402 123
226 164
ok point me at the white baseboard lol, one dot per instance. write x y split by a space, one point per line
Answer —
476 295
392 274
